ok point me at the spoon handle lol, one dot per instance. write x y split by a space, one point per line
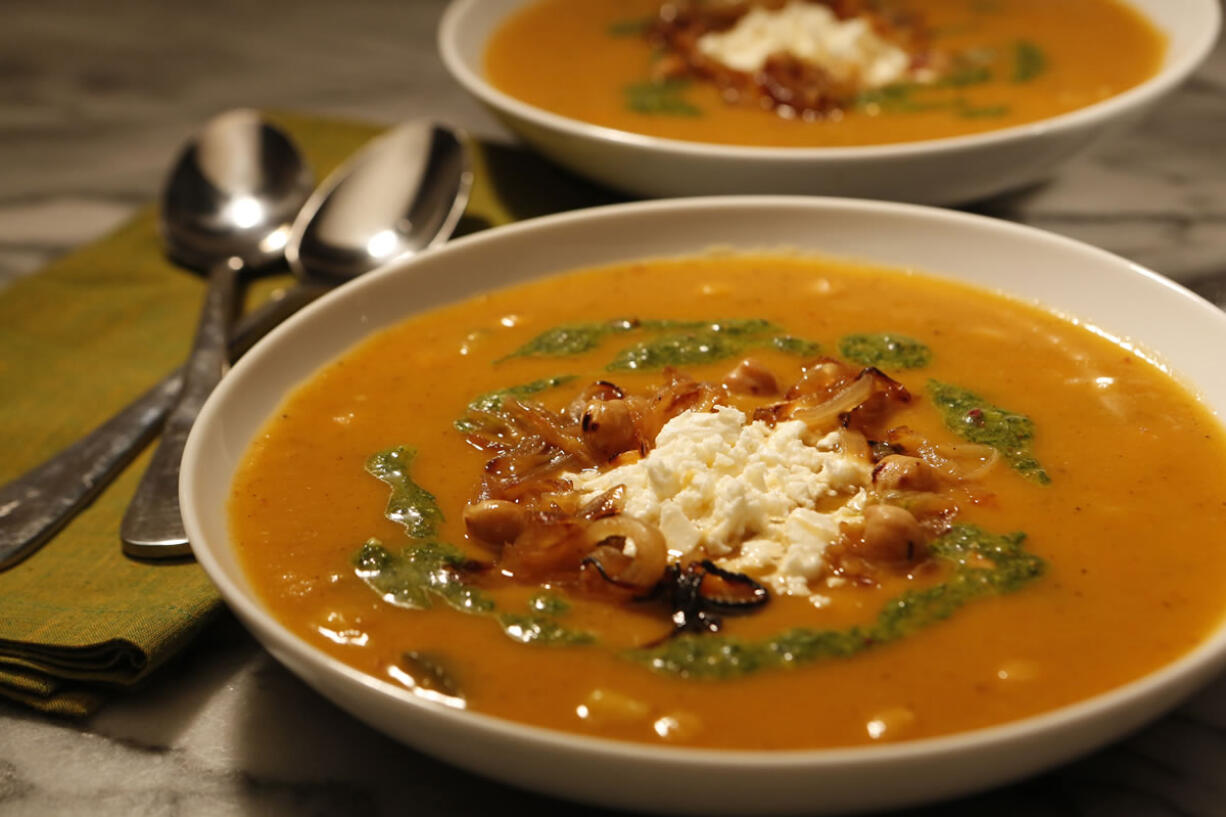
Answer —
36 505
152 527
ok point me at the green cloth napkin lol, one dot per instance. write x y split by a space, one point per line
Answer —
78 620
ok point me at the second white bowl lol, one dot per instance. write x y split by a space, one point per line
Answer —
938 171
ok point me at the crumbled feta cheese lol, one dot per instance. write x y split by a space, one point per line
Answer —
849 50
742 493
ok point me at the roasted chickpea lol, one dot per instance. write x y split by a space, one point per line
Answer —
751 377
494 521
892 535
898 472
608 427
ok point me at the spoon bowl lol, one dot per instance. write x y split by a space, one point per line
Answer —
233 193
402 193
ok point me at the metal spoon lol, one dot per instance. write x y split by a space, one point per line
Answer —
432 182
228 207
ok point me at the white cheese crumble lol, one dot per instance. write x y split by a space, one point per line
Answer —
849 50
742 493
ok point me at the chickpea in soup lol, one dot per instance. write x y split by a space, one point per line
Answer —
741 501
803 73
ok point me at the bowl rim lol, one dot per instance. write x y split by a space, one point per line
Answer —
1173 72
1193 667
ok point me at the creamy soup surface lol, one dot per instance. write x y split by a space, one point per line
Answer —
1066 495
809 73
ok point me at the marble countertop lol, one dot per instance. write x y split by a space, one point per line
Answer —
95 99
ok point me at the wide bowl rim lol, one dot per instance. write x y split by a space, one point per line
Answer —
1171 74
1192 667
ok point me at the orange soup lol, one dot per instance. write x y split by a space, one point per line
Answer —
807 73
741 501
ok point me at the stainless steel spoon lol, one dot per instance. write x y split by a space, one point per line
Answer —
232 196
431 187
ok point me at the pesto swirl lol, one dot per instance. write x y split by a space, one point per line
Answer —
976 420
428 570
885 350
667 342
719 657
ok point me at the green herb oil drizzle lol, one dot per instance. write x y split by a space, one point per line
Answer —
1029 61
676 343
717 657
410 504
885 351
976 420
428 570
703 343
418 575
570 339
629 27
664 98
490 403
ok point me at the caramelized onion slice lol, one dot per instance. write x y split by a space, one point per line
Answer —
728 592
854 444
551 546
604 504
627 551
968 462
824 416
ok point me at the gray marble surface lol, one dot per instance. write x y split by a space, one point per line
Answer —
96 96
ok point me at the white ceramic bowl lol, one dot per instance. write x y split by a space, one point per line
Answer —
1071 277
937 171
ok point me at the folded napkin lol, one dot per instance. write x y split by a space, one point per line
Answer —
78 620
